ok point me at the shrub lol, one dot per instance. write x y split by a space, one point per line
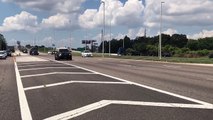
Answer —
204 52
211 55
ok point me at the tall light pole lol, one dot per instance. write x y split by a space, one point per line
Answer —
103 37
70 35
110 37
160 36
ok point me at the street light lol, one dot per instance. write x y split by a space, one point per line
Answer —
160 36
70 35
103 37
110 37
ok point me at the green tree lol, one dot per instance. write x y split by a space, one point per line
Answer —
193 44
152 50
179 40
3 43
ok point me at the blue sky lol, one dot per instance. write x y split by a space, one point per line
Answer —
67 22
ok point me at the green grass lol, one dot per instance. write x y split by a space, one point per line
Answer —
204 60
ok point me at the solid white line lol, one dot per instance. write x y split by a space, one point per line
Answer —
88 108
52 73
161 104
24 107
31 69
79 111
38 65
70 82
144 86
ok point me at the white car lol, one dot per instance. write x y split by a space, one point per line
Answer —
86 53
49 52
3 54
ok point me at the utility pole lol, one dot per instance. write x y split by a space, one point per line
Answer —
160 36
103 36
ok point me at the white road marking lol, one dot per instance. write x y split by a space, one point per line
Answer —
70 82
29 59
79 111
144 86
172 66
34 65
52 73
25 111
31 69
88 108
209 79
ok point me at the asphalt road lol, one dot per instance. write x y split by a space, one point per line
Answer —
194 81
110 89
9 101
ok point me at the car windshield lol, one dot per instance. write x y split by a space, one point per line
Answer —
63 50
1 52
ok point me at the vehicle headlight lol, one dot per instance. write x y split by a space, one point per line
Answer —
60 54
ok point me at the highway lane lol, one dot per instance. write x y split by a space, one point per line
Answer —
9 102
54 90
188 80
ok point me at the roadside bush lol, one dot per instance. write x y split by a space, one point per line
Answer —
211 55
185 50
204 52
129 51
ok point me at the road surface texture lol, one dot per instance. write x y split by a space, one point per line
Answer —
110 89
9 101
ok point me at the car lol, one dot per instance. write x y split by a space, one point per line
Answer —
86 53
49 52
34 51
9 52
53 52
3 55
63 53
25 50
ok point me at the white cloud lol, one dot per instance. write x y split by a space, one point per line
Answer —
62 6
179 13
202 34
56 21
87 19
170 31
23 21
128 14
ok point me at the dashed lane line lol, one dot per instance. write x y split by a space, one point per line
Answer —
172 66
71 82
52 73
24 107
94 106
43 68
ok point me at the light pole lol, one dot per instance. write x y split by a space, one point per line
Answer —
70 35
103 37
160 36
110 36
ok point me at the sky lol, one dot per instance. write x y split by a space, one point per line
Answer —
68 22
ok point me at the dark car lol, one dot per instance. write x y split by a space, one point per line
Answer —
9 52
34 51
25 50
63 53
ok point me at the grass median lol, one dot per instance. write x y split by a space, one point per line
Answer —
203 60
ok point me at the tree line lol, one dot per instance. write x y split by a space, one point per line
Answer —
175 45
3 43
